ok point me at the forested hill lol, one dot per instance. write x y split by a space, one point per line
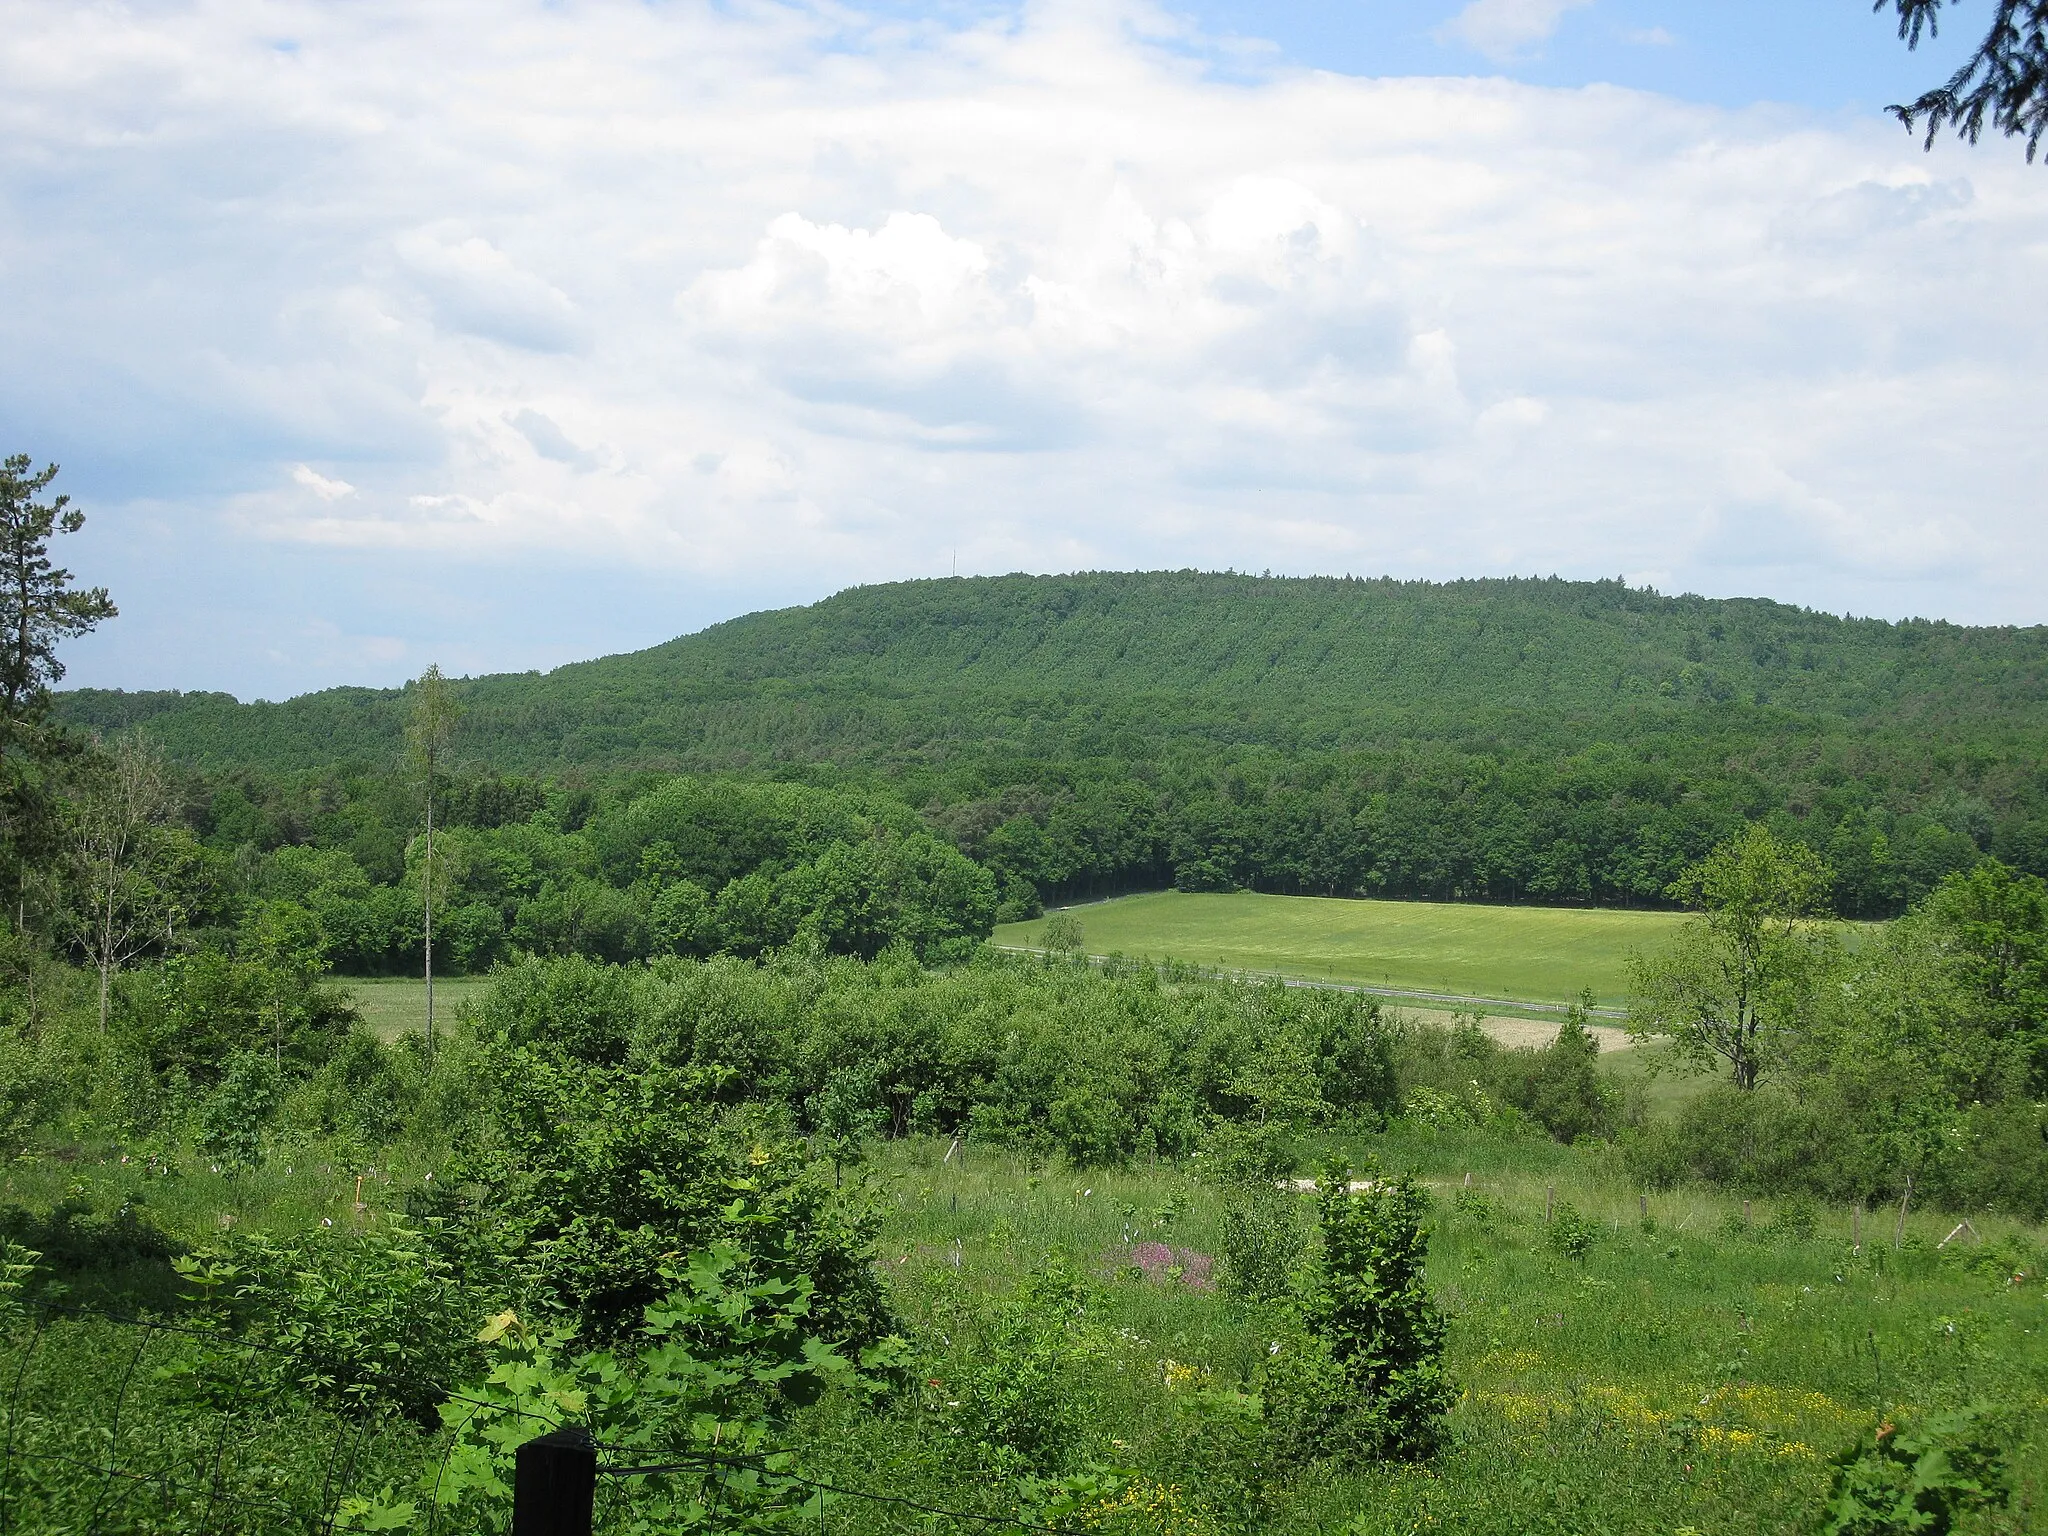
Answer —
1098 664
1511 739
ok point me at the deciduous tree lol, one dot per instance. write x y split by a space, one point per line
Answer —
428 732
129 863
1733 983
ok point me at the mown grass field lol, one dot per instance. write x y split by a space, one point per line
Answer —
1535 954
396 1005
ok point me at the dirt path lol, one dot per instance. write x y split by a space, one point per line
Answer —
1522 1033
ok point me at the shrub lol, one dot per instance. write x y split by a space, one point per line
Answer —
1247 1155
1018 1405
1559 1086
1369 1380
1263 1241
1569 1233
583 1179
718 1365
1479 1208
234 1115
1917 1482
371 1319
1796 1219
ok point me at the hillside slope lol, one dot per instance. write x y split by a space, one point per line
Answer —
1121 665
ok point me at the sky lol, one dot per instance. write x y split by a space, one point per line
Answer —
500 335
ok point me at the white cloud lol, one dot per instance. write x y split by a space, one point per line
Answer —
763 293
320 485
1507 29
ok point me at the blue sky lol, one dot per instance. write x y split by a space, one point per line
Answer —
1827 55
505 335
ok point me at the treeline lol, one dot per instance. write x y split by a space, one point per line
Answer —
1601 827
1503 740
578 865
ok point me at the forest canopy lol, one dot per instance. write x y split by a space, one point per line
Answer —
1504 740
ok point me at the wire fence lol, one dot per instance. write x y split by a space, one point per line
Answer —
118 1424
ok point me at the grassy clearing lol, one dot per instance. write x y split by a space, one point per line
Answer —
397 1005
1693 1370
1537 954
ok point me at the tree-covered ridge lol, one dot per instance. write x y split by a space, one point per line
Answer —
1088 665
1494 740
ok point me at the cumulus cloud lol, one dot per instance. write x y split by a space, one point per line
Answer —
1507 29
738 291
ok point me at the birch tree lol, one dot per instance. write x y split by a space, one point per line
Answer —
428 731
128 862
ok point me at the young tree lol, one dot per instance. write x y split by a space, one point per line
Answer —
1369 1381
1062 934
129 863
1733 984
428 732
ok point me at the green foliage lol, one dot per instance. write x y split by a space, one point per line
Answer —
1263 1244
1541 741
1735 984
1560 1086
1795 1220
190 1015
33 1084
368 1321
1569 1233
712 1372
39 607
1248 1155
1913 1055
1015 1405
1369 1381
591 1174
1062 933
233 1118
1992 924
1918 1481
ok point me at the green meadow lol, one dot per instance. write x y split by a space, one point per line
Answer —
1693 1365
397 1005
1532 954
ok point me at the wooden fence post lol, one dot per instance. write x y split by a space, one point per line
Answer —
554 1484
1899 1232
1549 1201
1856 1227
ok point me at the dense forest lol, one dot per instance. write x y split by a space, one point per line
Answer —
1498 740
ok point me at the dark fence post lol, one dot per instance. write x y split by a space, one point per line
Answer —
554 1484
